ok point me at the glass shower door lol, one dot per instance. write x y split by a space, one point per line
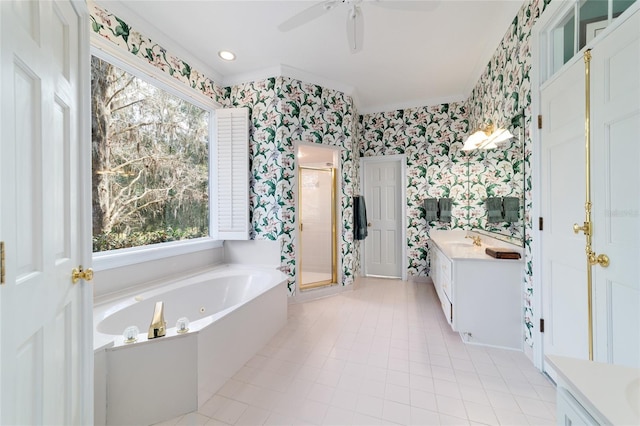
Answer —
317 227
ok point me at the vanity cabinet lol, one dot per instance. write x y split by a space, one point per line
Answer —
595 393
570 412
481 297
441 275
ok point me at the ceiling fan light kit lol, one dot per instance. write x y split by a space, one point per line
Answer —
355 21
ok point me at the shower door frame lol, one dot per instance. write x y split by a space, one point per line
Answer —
334 230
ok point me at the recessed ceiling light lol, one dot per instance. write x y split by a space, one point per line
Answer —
226 55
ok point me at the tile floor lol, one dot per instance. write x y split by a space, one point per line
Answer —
379 355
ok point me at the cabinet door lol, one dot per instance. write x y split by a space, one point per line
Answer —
437 261
570 412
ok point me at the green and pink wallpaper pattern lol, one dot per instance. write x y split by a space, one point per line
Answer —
436 165
430 138
125 37
285 110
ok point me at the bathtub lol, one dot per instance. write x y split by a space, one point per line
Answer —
233 312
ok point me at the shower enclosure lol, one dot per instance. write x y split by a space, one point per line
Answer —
317 226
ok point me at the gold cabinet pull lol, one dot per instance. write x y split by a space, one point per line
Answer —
80 274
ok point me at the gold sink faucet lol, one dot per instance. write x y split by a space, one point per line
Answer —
476 240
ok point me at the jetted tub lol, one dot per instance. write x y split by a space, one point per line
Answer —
233 312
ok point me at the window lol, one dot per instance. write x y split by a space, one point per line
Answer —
150 161
581 23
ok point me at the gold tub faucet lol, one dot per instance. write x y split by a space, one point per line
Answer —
158 327
476 240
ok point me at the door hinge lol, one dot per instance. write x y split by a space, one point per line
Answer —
541 325
540 223
539 121
2 263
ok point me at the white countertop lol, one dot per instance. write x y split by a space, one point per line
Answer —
455 246
609 392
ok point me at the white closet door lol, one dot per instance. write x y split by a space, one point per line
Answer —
45 346
383 245
615 126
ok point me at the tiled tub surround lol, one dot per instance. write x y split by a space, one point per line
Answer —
234 311
379 355
480 296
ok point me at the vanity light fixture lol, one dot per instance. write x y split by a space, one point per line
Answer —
487 137
227 55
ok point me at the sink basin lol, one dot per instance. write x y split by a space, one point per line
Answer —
462 244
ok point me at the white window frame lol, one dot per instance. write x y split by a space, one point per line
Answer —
129 256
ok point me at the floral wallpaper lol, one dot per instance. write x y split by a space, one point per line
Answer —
431 139
116 31
502 92
285 111
432 136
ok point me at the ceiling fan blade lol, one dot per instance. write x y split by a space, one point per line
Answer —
308 15
406 4
355 29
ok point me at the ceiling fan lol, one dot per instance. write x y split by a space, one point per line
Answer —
355 21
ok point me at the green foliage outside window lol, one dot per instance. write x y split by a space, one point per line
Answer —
150 162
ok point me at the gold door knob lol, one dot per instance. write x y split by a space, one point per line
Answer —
369 225
601 259
80 274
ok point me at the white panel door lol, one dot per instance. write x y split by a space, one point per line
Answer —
615 160
562 205
383 246
45 345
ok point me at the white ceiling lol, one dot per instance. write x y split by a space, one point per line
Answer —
409 57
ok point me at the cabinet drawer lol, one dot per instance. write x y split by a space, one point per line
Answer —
444 274
569 411
445 268
446 287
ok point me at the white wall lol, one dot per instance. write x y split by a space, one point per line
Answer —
125 278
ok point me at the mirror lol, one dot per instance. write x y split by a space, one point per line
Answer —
498 172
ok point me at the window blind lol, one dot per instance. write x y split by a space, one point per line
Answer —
231 195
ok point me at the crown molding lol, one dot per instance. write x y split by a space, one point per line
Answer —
147 29
419 103
282 70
